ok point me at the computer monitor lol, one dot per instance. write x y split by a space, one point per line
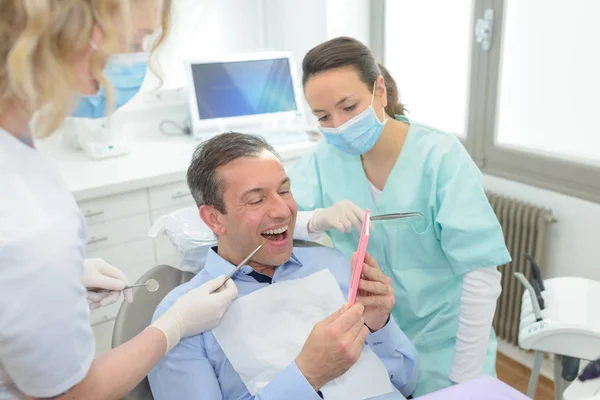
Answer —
240 91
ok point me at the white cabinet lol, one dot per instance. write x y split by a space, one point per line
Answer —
113 233
131 253
114 207
174 195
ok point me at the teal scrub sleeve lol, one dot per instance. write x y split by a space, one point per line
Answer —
306 184
470 234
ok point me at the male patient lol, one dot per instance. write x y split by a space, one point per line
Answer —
289 334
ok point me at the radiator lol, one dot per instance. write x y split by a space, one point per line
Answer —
525 229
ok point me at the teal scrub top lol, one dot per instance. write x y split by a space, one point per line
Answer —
426 258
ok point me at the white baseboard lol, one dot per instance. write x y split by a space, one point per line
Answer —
526 358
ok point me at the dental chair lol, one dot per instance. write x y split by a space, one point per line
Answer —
134 318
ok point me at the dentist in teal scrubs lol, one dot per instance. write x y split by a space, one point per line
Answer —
444 265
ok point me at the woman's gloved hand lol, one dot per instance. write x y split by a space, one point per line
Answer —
98 274
342 216
197 311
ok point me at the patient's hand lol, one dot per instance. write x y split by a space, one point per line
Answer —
376 293
333 346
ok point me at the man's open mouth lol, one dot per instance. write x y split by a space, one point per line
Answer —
276 234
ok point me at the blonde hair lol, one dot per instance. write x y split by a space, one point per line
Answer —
165 27
40 42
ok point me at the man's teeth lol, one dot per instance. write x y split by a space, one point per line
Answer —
276 231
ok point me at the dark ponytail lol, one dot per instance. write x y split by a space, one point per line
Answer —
394 106
349 52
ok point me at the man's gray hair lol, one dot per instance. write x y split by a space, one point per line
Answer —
202 178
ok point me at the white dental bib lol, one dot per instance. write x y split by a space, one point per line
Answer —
264 331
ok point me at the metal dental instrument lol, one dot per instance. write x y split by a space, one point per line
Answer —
151 285
240 265
385 217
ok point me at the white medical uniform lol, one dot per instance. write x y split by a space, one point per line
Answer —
46 341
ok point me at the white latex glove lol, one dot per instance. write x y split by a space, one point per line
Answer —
342 216
197 311
98 274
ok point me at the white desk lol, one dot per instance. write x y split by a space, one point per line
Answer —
121 198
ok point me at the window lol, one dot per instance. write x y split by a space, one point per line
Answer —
517 81
347 18
428 54
549 81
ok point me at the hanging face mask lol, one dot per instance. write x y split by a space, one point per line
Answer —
126 73
358 135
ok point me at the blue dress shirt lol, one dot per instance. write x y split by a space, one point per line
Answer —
197 368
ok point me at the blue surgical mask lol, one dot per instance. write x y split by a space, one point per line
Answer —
126 73
358 135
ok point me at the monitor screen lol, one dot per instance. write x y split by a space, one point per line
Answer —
243 88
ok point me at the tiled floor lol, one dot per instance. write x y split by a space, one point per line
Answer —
517 376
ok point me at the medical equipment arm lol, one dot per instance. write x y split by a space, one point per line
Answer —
537 275
98 274
398 354
481 289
